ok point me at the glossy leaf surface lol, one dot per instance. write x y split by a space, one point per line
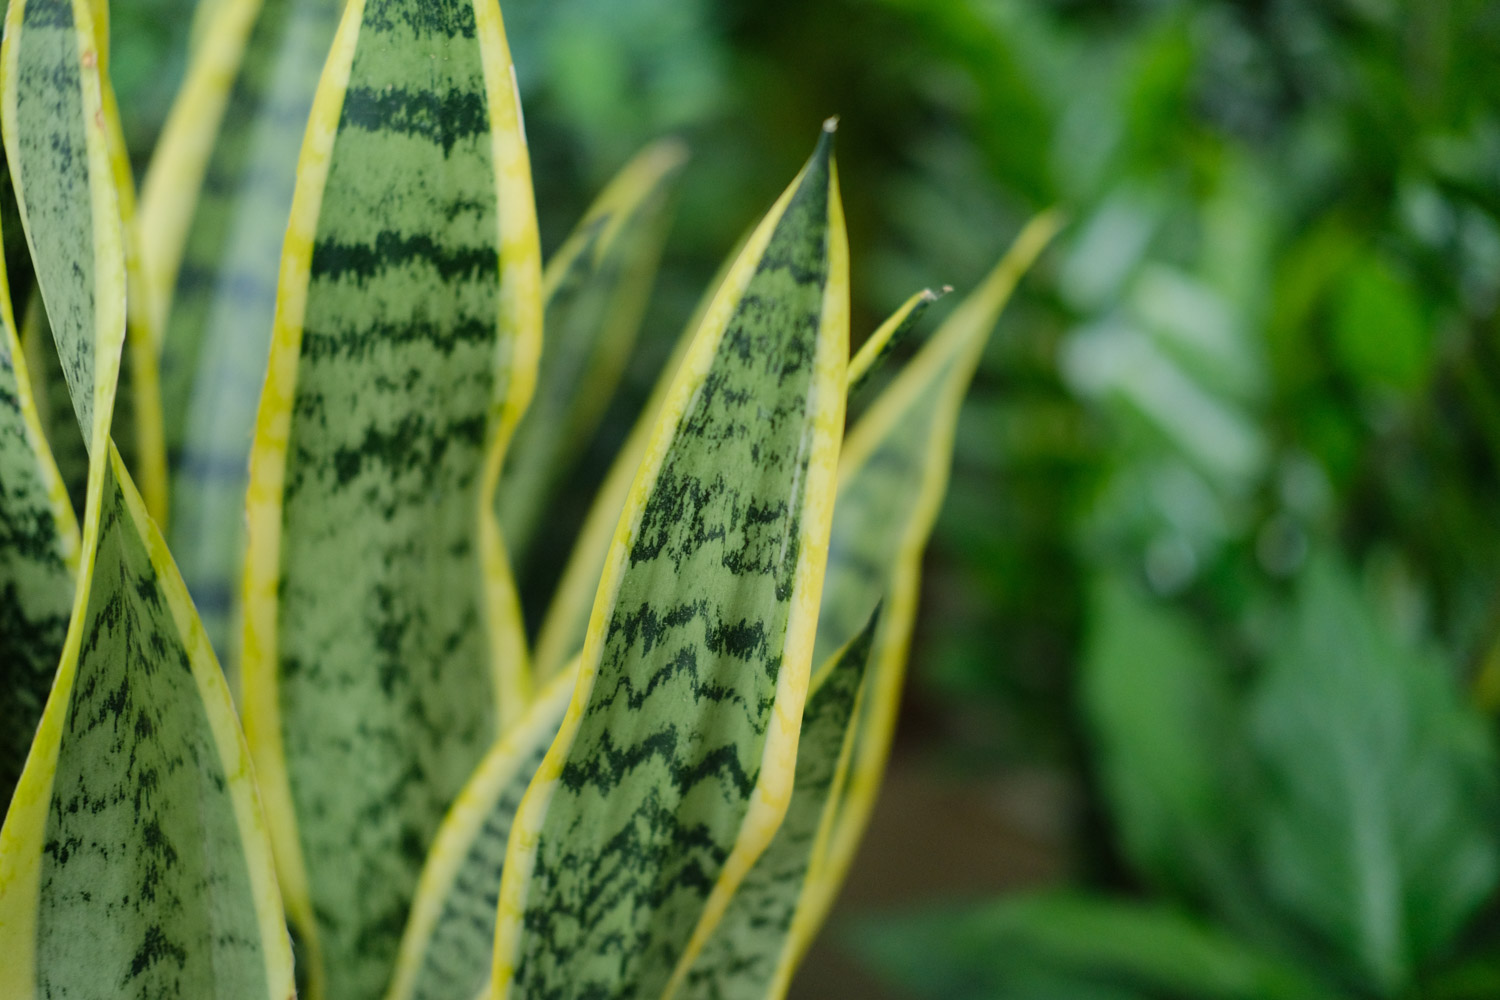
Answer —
674 763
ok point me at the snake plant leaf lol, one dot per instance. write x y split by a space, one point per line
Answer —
674 763
449 944
892 480
135 862
404 348
54 404
748 956
38 557
594 292
888 336
567 619
214 209
57 144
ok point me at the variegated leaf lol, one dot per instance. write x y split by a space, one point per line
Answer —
213 213
449 944
594 290
892 480
38 557
748 956
382 644
674 763
54 403
888 336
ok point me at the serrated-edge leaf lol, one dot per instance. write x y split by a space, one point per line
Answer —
594 291
749 954
76 159
519 318
940 373
27 841
767 801
457 894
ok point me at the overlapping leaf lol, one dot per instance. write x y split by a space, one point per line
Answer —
674 764
134 861
449 944
892 480
595 290
38 558
748 956
213 213
380 652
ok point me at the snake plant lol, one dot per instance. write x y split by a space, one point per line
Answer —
271 720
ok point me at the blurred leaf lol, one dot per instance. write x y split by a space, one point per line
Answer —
1061 947
1379 331
1377 826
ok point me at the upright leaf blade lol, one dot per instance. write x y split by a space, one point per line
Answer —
748 956
213 214
892 481
674 763
38 557
595 290
134 862
449 945
404 349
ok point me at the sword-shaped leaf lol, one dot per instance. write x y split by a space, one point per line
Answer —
449 944
382 645
38 557
748 956
213 213
595 290
888 336
674 764
135 863
54 404
892 480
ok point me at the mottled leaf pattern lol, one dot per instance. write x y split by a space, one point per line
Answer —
378 655
892 480
38 557
57 145
54 404
594 290
135 863
232 141
449 944
748 957
674 763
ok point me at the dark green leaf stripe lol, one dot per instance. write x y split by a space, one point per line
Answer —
135 861
233 139
674 763
38 557
378 660
748 956
56 142
594 293
449 944
892 480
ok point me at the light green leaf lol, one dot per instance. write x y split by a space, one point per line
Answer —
135 861
1377 824
214 210
1061 947
595 291
674 764
449 945
567 620
54 403
749 956
382 645
892 479
38 557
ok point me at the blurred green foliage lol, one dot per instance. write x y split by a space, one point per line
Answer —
1269 332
